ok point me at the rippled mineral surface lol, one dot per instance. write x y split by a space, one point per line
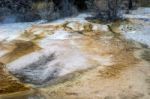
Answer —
75 58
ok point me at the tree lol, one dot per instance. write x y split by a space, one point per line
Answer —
113 9
108 9
130 6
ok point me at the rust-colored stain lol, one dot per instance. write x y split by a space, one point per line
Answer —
123 57
92 43
8 84
112 71
122 53
21 48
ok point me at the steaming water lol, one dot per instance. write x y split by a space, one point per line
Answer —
50 63
139 36
140 13
58 57
10 31
139 32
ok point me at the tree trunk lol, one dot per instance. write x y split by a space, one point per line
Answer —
130 5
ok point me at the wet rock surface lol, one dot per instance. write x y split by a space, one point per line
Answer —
78 59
